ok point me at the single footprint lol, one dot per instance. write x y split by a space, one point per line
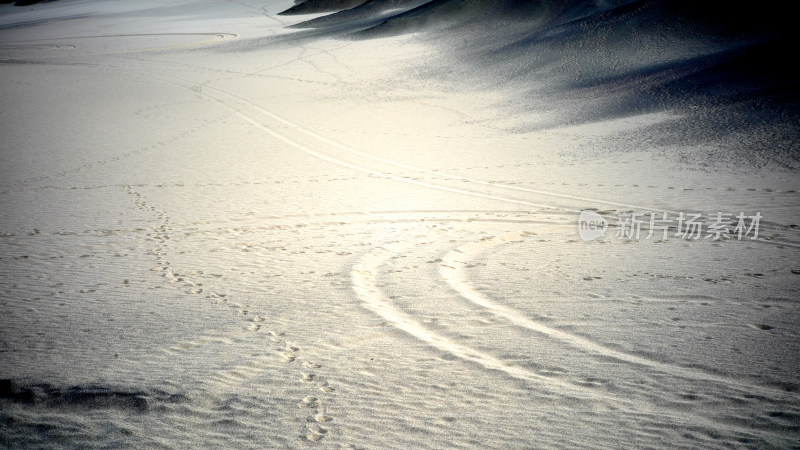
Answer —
308 377
290 354
309 402
322 417
315 433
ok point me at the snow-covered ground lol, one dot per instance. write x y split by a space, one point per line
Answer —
218 231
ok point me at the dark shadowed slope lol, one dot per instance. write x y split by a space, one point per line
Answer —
321 6
723 69
364 16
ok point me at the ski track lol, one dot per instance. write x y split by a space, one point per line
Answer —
365 283
452 273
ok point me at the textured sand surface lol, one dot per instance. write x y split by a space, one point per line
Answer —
218 230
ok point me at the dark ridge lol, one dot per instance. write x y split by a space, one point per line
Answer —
321 6
449 14
657 48
363 16
711 17
29 2
82 397
721 64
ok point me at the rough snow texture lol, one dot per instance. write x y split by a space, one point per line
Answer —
225 227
